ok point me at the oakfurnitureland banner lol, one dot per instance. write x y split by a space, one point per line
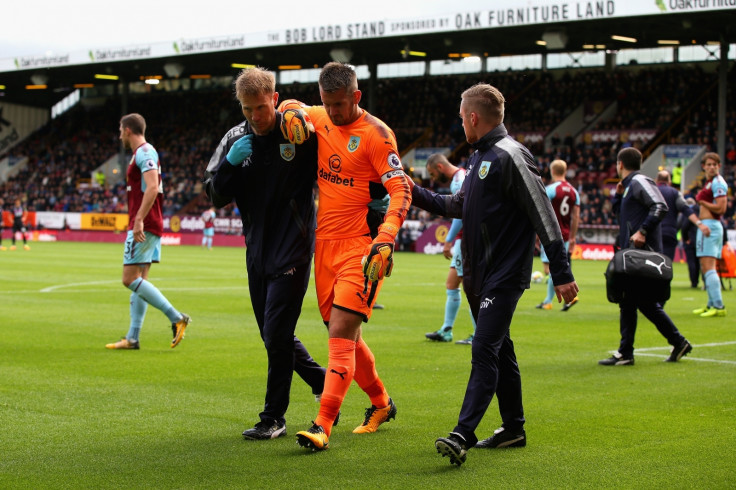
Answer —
497 14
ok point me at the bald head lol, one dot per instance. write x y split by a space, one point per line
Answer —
663 177
439 168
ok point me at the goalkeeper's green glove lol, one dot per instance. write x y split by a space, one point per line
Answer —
378 258
296 126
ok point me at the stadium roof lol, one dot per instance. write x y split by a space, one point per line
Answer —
493 32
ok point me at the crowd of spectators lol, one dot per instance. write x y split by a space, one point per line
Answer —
186 126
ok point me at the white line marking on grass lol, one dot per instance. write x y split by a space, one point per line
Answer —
51 289
688 357
714 344
72 284
644 352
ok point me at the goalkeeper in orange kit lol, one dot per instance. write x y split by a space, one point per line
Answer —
358 162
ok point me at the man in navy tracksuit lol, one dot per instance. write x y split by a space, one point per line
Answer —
689 232
504 206
676 204
271 180
640 208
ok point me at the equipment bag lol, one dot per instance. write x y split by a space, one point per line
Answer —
634 271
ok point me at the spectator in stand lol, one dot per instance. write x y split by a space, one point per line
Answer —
677 175
67 151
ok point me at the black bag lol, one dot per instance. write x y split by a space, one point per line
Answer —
635 271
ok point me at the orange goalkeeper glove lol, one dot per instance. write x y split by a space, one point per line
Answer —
296 126
378 261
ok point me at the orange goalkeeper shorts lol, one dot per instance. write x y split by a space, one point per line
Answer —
339 279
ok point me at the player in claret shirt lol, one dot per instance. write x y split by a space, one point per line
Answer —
208 233
713 201
143 242
566 203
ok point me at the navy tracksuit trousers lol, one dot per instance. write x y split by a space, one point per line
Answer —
653 311
277 303
494 369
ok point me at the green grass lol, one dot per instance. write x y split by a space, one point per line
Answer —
73 414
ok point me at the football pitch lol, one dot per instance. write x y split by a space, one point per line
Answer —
75 415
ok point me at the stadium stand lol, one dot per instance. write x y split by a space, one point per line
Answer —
676 102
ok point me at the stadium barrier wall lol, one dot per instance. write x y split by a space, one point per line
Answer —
595 241
119 237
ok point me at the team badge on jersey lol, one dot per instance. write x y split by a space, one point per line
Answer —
485 167
394 161
354 143
288 151
150 164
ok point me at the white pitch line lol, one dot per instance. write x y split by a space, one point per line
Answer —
689 358
714 344
51 289
644 352
72 284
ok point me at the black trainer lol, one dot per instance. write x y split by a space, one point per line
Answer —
453 446
263 430
444 334
617 360
570 304
503 438
679 352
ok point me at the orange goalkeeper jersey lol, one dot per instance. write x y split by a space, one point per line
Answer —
350 157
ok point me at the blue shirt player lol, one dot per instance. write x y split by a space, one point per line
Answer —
440 170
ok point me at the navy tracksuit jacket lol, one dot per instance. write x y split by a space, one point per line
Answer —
273 191
504 206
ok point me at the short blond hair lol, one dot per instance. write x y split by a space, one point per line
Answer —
558 167
255 81
486 100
